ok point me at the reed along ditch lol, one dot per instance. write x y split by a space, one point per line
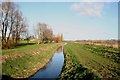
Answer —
53 68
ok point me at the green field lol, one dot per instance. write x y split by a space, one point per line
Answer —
73 69
26 59
103 67
81 61
104 51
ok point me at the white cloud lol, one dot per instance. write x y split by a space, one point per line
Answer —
88 8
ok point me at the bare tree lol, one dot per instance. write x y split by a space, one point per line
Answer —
20 26
12 24
44 32
5 21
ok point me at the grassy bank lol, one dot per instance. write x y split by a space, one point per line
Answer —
101 66
72 68
24 61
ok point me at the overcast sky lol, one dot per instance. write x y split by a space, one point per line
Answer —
76 20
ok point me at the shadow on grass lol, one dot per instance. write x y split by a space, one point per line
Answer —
6 77
23 44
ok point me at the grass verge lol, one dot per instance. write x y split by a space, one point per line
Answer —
35 57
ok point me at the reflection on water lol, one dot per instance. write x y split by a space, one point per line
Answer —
59 49
54 67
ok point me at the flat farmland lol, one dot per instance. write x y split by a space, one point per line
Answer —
104 67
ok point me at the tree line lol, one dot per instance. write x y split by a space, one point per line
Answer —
13 25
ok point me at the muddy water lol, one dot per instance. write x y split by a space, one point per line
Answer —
54 67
